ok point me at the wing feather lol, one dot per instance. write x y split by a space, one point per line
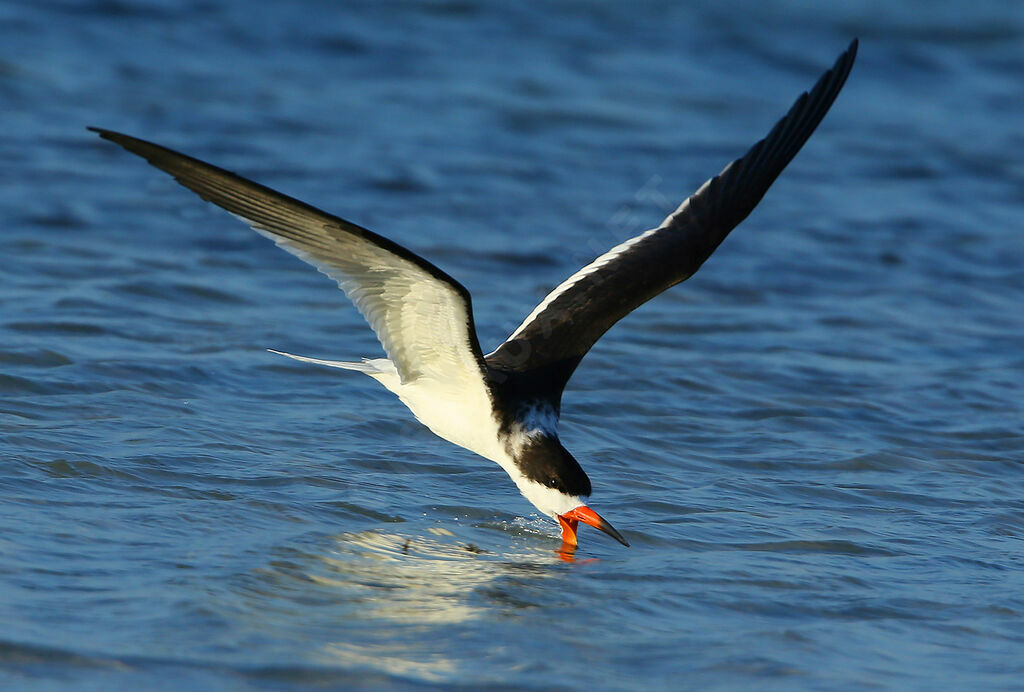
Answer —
555 336
422 317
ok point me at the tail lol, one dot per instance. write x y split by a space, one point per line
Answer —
370 367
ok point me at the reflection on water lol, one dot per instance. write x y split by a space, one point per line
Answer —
395 658
407 579
380 595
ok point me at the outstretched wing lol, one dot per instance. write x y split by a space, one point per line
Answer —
550 343
421 316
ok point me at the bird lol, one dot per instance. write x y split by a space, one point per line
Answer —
504 405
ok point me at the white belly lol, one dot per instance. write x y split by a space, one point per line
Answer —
458 410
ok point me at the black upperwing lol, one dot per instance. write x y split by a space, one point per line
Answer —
543 352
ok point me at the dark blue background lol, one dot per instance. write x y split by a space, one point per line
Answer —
814 445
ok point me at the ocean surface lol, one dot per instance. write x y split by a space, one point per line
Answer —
815 445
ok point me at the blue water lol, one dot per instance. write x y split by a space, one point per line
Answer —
815 445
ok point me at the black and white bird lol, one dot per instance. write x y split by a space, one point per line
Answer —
504 405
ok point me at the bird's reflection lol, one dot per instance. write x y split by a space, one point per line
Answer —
389 601
433 578
567 553
404 583
405 579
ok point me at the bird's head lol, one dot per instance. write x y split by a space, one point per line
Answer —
550 478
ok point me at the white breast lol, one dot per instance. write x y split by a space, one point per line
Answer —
460 410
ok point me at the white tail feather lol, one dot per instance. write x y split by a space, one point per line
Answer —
366 366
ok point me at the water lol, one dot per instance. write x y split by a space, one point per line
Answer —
814 445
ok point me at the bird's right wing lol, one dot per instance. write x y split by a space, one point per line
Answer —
422 316
552 340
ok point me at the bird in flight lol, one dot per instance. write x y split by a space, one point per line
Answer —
504 405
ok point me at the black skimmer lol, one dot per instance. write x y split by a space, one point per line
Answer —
504 405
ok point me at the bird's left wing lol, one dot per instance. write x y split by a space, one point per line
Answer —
422 317
551 341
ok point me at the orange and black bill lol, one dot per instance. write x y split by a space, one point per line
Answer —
570 521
